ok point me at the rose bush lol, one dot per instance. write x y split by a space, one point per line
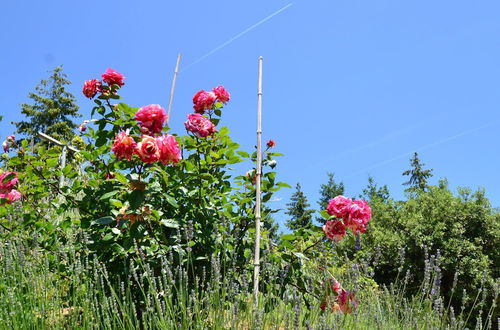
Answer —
143 194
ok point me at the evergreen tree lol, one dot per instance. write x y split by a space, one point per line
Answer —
418 175
298 210
328 191
373 191
51 110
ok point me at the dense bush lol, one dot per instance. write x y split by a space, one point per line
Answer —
455 236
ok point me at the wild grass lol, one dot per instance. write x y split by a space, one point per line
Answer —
70 290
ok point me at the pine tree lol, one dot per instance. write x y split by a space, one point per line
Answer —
51 110
373 191
328 191
298 210
418 175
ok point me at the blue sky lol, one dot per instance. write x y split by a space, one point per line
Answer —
351 87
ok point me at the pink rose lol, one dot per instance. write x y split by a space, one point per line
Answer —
83 126
222 94
7 186
199 125
91 87
339 206
124 145
170 153
203 101
271 144
334 229
336 286
11 196
9 142
148 150
360 214
347 301
112 77
151 118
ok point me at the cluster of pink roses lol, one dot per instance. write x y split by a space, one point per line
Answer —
198 124
7 190
354 215
205 100
344 301
93 86
152 147
8 143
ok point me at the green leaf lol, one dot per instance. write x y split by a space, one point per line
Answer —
51 162
109 194
324 214
170 223
116 231
171 201
283 185
288 237
136 198
243 153
104 220
121 178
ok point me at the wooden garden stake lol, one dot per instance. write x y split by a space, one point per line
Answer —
172 89
257 190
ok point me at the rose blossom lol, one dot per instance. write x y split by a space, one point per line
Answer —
336 286
271 143
199 125
334 229
9 141
11 196
83 126
222 94
360 214
347 301
7 186
339 206
169 149
124 145
203 100
151 118
91 87
148 150
112 77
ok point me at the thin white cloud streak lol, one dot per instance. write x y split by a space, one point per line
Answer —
378 141
237 36
421 148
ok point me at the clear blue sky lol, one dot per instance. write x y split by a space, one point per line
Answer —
351 87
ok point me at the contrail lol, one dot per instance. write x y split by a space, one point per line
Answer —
424 147
238 35
376 142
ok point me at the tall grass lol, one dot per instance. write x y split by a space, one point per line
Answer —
69 290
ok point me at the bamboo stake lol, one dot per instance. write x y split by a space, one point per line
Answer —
172 89
257 190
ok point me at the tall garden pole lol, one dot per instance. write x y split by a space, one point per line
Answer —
172 89
257 190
